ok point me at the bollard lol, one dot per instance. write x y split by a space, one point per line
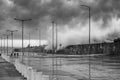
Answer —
20 67
33 72
25 70
38 76
16 64
22 70
29 73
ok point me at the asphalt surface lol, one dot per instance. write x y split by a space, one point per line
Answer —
8 71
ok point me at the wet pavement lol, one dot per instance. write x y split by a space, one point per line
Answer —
77 68
8 71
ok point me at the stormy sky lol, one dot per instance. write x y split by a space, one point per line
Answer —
71 18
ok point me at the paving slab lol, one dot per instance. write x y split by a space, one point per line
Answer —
8 71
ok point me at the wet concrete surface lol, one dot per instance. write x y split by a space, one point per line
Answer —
77 68
8 71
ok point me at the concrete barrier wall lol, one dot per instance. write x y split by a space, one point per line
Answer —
30 73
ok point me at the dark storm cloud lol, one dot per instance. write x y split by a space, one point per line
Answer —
54 9
2 14
106 9
64 13
60 12
1 11
34 9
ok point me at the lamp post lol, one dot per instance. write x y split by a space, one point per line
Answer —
40 40
22 20
4 41
89 38
56 51
60 58
29 45
53 49
89 8
1 44
12 32
39 37
28 49
56 37
7 44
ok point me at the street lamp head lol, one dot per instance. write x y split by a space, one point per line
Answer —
85 6
22 19
12 30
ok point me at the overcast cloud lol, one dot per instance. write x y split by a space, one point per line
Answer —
72 19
